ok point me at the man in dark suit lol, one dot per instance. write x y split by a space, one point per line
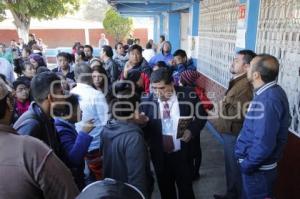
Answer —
171 157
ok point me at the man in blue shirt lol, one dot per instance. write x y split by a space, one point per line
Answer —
265 129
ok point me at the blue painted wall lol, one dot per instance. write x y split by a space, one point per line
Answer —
194 23
194 18
161 24
174 30
156 30
252 22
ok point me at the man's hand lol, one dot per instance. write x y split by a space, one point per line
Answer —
88 126
127 67
172 63
140 118
187 136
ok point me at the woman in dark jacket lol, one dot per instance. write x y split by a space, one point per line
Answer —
125 156
75 145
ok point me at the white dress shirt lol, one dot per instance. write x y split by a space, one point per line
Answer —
148 54
7 69
94 106
174 118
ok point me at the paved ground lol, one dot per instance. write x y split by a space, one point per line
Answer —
212 174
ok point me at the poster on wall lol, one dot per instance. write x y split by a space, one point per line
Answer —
241 27
193 46
240 38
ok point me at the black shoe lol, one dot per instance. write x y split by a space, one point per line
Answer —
216 196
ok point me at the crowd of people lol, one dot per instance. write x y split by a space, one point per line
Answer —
111 116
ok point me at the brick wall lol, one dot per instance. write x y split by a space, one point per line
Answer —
60 37
66 37
215 91
7 35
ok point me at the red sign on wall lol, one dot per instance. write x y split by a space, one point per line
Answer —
242 11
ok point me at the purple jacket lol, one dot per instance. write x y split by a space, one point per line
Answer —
75 146
162 57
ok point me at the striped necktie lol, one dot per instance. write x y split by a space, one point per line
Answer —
166 111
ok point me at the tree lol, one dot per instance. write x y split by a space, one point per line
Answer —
117 26
2 12
23 10
94 10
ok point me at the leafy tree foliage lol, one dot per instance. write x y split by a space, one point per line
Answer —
94 10
116 25
24 10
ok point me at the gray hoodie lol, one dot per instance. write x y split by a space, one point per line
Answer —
125 156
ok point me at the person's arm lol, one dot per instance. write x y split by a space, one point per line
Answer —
200 116
76 148
235 109
146 82
136 162
55 70
28 127
143 111
265 132
101 108
100 45
127 67
180 68
114 71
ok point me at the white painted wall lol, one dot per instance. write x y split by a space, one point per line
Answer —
184 30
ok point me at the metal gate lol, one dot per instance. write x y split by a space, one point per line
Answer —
217 38
279 35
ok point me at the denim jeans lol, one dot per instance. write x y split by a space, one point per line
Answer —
259 185
233 174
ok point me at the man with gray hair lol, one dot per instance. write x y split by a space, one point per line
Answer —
94 106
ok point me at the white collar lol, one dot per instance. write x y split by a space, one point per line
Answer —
240 75
171 99
265 87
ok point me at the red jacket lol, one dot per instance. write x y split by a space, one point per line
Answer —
146 81
207 104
